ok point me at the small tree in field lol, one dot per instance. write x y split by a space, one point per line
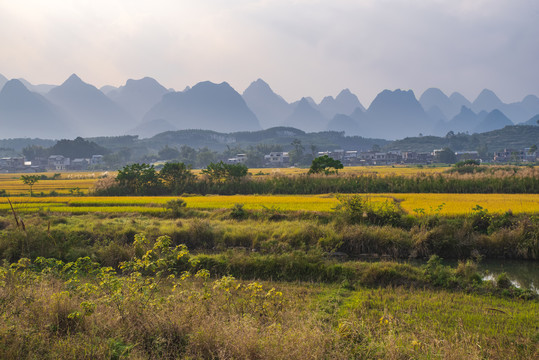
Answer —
325 164
30 180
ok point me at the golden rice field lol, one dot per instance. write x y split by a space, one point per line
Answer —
68 183
444 204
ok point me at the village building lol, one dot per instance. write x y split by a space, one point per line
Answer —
96 160
277 159
11 164
512 155
238 159
80 164
58 163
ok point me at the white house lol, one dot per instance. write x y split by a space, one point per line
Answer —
58 162
277 159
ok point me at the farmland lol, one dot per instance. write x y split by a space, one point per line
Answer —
266 276
66 183
442 204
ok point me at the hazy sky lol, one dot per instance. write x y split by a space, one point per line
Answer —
300 47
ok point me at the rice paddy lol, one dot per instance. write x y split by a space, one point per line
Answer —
80 183
67 183
443 204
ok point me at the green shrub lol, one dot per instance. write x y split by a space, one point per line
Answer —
176 207
360 209
468 272
503 281
201 234
238 212
438 274
480 219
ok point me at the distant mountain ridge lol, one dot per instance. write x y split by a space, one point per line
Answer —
27 114
144 107
493 121
270 108
345 103
534 121
396 114
3 80
41 88
207 106
137 97
485 103
92 112
435 98
306 117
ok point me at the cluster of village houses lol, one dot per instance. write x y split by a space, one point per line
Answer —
52 163
358 158
280 159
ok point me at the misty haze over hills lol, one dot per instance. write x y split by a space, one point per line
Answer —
138 96
205 106
30 114
90 111
144 107
3 80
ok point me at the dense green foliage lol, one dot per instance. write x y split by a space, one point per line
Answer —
325 164
138 179
176 177
221 172
446 156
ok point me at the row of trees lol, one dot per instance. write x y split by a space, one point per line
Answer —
177 178
174 178
227 179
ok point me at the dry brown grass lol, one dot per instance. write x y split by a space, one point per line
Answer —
315 322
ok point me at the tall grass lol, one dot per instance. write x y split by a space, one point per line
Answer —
53 310
524 181
496 236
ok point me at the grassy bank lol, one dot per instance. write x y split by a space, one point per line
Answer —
106 236
155 309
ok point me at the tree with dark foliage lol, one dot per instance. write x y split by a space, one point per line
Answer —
221 172
176 177
139 179
325 164
446 156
